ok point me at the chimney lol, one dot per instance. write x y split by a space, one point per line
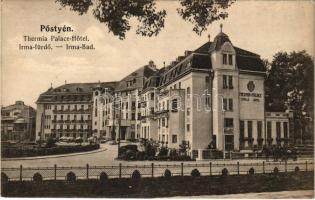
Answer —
152 65
187 52
19 103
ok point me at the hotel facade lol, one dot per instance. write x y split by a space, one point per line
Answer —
214 94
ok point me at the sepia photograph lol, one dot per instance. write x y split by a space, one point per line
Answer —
157 99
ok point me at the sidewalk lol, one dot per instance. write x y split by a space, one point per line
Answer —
54 156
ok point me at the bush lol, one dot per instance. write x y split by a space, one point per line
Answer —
136 175
37 177
297 169
276 170
4 178
51 142
13 152
225 172
195 173
163 152
71 177
167 173
103 177
251 171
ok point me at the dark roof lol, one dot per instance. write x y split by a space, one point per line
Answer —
200 59
218 41
17 105
73 88
136 79
250 63
152 82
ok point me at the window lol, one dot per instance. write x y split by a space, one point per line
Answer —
242 134
208 100
250 129
285 129
174 86
188 111
224 56
278 129
225 106
126 105
163 122
230 82
228 122
259 129
230 104
224 82
269 130
126 115
133 116
227 82
188 91
174 138
174 105
230 60
188 127
152 96
179 85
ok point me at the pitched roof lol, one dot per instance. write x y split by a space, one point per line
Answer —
137 78
200 59
73 88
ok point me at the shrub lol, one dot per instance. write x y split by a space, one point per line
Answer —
251 171
167 173
195 173
103 177
297 169
225 172
136 175
51 142
71 177
37 177
4 178
276 170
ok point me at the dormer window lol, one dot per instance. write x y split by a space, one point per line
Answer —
230 60
224 59
227 59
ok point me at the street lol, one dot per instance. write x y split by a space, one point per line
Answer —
107 158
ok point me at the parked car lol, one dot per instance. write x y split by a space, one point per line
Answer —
128 152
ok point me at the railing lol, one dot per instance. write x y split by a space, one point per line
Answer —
154 170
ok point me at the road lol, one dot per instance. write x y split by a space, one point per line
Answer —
103 158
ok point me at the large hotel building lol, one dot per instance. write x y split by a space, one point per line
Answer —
214 94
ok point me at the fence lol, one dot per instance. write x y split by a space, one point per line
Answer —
153 170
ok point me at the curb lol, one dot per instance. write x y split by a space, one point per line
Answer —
53 156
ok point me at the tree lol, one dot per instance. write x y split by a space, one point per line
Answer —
51 142
116 14
290 85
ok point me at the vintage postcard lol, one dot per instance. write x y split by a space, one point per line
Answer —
154 99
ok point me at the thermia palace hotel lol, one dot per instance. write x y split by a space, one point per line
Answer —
214 94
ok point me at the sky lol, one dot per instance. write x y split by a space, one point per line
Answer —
263 27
